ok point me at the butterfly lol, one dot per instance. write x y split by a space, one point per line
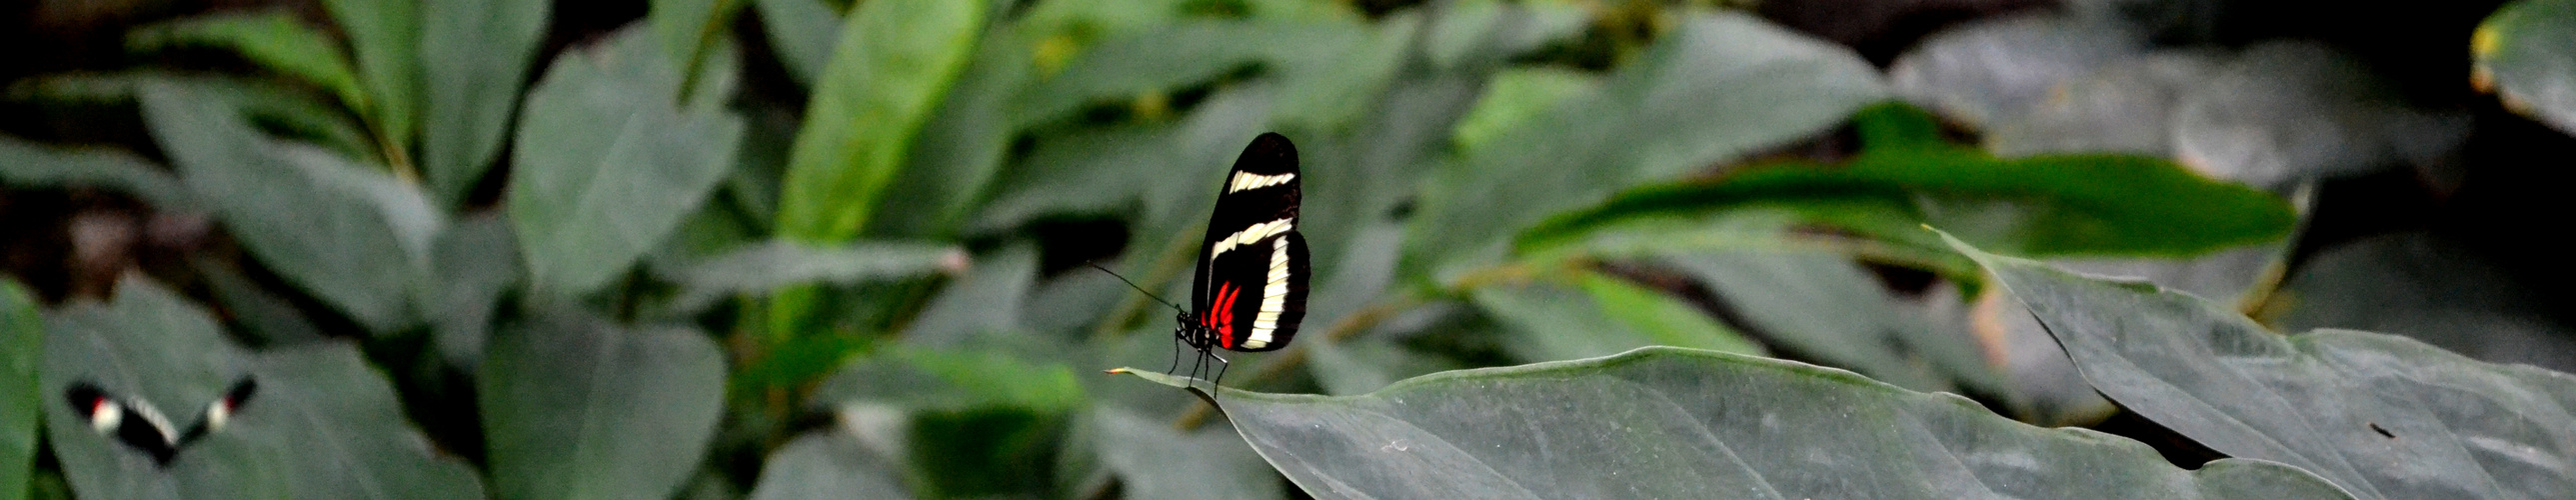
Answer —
141 427
1250 290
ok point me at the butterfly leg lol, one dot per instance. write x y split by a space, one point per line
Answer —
1221 365
1176 355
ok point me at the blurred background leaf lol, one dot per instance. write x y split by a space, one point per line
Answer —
22 344
578 408
2522 57
1675 421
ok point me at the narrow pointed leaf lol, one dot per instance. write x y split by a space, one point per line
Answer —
273 38
474 56
386 36
607 163
895 61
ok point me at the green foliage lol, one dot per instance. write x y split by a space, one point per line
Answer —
1673 422
578 408
609 160
847 261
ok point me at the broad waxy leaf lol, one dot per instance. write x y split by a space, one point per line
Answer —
2524 55
352 236
322 424
2380 415
894 63
22 340
827 465
1716 88
608 162
1664 422
2051 204
474 57
2430 288
274 39
774 264
802 31
576 408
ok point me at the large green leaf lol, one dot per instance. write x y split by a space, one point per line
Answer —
386 36
894 64
827 465
22 340
352 236
322 424
577 408
2051 204
273 38
1682 423
1173 55
26 164
1714 89
1590 315
607 163
2524 54
474 57
2382 416
266 318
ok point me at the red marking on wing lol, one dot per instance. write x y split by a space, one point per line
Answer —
1223 318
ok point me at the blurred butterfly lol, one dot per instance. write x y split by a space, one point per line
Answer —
144 428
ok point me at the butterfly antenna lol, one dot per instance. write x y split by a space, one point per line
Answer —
1139 289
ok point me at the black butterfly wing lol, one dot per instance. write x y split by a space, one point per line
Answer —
138 425
1251 281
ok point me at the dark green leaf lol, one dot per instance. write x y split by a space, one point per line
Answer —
1716 88
895 61
576 408
1825 306
22 342
2523 56
688 29
386 35
477 262
275 105
352 236
607 163
827 465
968 422
323 424
802 31
1154 461
2380 415
273 38
2051 204
474 57
767 266
1170 56
1681 423
26 164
